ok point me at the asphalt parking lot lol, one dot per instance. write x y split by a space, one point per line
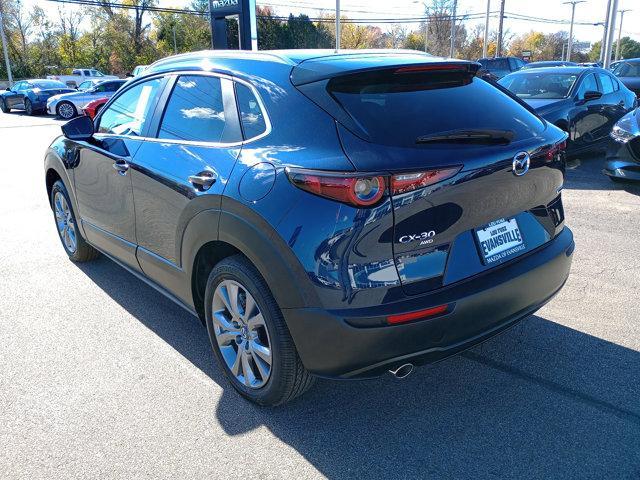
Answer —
102 377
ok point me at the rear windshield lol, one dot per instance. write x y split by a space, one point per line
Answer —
397 109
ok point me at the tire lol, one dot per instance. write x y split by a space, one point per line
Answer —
3 106
287 378
28 107
66 110
74 245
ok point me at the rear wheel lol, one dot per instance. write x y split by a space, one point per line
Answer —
74 245
66 110
28 107
3 106
250 337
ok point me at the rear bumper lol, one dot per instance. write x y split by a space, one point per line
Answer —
331 344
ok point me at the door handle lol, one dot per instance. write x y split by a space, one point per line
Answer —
203 180
121 167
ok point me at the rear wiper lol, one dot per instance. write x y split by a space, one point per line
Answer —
469 136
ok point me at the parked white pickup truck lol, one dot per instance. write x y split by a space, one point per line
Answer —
78 75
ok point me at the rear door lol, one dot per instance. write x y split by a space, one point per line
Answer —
103 171
184 168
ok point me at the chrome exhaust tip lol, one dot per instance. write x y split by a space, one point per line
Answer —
402 371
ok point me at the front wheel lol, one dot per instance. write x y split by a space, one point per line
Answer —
66 110
3 106
74 245
249 336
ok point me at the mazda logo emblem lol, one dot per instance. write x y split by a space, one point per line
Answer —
521 164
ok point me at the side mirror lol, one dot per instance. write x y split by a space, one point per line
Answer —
8 89
80 128
591 95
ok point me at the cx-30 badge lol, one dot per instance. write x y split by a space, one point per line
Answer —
521 163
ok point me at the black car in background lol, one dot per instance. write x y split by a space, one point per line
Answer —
623 154
498 67
550 63
628 71
585 102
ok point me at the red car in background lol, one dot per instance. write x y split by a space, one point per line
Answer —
92 108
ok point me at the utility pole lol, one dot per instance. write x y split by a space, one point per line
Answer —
563 50
499 46
175 45
337 25
604 33
573 4
5 50
620 34
453 29
485 44
611 30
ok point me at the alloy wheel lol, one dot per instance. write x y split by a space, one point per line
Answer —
241 334
65 110
64 222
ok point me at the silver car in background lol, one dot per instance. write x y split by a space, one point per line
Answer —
68 105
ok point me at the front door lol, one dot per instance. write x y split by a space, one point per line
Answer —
14 97
589 118
184 169
102 176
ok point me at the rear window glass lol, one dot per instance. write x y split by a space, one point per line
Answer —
397 109
253 121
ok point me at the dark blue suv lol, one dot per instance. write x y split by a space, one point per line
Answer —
336 215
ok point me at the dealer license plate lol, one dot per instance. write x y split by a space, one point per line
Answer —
500 239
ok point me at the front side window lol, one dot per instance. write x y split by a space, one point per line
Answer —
251 115
588 84
85 85
195 111
127 114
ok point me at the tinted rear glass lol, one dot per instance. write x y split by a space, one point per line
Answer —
396 109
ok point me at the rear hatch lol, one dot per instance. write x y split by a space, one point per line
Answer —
475 176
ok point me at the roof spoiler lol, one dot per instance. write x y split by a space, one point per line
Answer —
306 73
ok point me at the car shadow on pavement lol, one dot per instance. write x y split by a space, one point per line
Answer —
584 172
540 401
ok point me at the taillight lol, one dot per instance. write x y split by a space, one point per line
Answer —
557 149
360 190
407 182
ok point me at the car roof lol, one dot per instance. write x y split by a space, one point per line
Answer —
570 69
307 64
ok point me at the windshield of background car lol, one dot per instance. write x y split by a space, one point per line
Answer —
627 70
46 84
395 109
539 85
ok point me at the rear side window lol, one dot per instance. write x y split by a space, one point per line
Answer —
397 108
195 111
126 116
251 115
607 84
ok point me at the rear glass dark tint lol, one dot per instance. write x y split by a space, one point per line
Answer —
495 63
396 109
